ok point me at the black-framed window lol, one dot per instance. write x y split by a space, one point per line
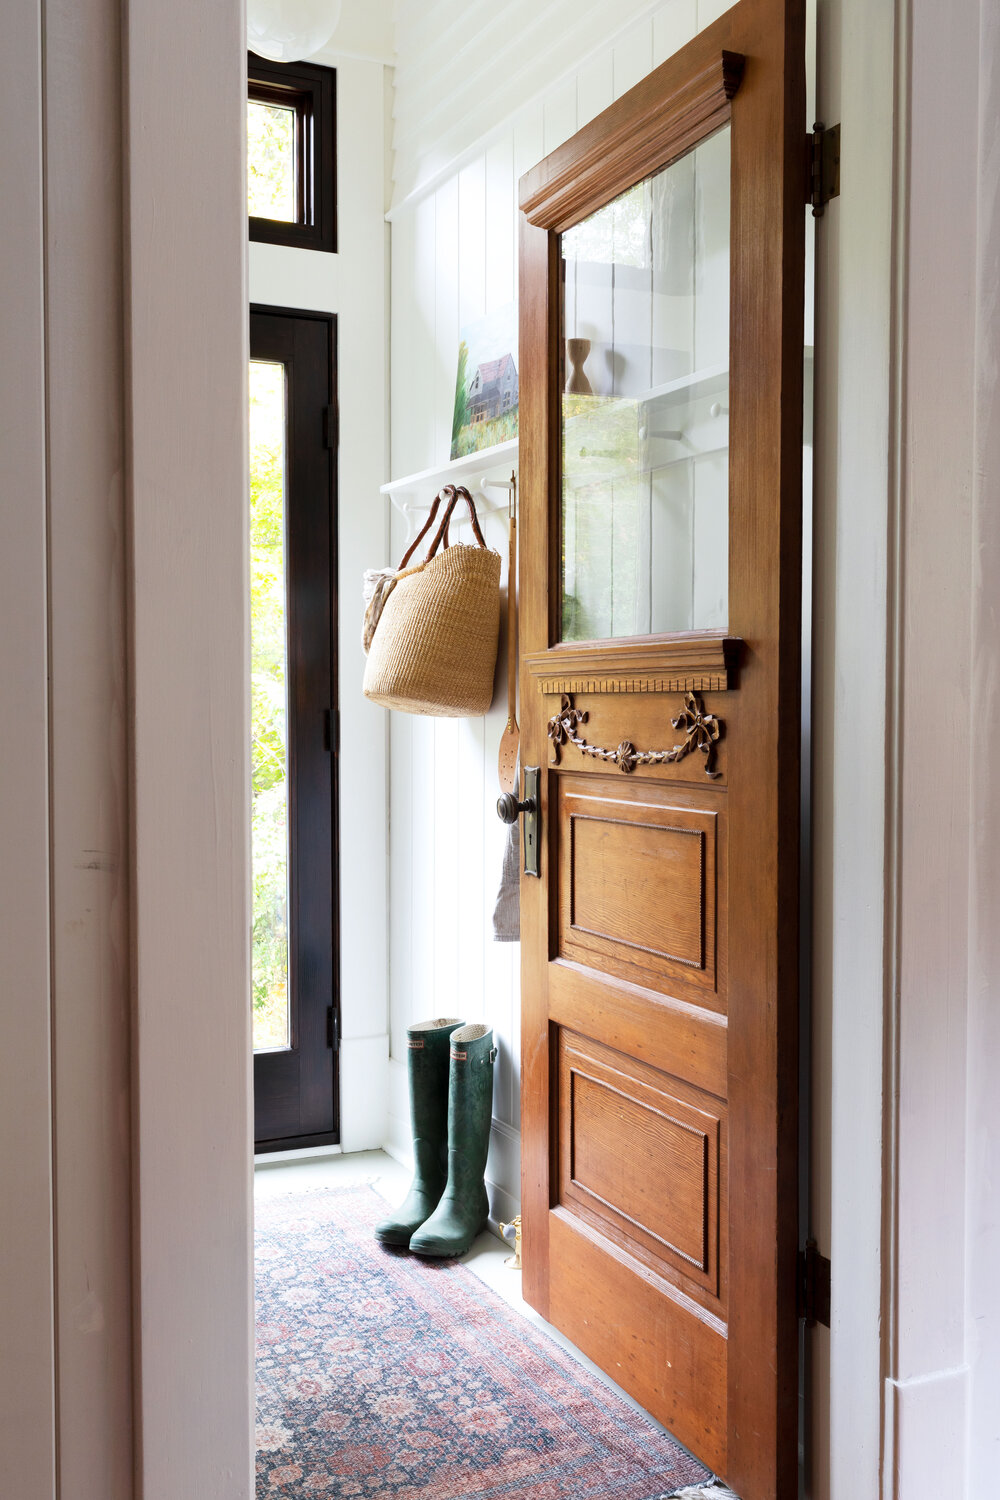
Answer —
295 756
292 153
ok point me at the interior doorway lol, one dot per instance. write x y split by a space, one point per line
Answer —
293 573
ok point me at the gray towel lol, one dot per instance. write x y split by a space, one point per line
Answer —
507 912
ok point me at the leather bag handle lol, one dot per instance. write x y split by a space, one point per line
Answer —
423 532
454 494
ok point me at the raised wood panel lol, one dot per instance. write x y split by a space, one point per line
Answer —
639 1154
612 862
615 1144
637 892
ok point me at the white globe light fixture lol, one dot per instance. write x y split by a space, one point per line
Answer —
289 30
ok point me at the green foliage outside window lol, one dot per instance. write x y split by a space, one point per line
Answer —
269 807
270 161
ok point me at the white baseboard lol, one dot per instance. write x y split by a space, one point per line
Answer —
364 1092
926 1435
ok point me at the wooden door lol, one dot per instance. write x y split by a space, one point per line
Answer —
661 293
293 585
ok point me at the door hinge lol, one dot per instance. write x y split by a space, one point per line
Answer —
814 1286
332 1028
824 167
331 424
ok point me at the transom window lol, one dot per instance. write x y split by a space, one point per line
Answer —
291 154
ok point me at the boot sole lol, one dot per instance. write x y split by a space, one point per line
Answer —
450 1254
430 1254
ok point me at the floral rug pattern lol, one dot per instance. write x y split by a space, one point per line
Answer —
379 1374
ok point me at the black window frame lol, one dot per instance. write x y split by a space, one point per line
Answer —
311 91
297 1088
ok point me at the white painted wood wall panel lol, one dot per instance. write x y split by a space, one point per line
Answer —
463 72
531 76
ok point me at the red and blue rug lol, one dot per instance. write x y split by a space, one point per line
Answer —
379 1374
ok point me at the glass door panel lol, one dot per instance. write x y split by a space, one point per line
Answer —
269 705
293 570
645 432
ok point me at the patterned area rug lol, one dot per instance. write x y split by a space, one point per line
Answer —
379 1374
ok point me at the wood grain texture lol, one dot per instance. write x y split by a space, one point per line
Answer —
622 1126
734 1400
677 1036
668 1345
638 886
679 104
611 861
698 662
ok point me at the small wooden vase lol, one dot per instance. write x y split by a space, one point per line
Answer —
578 384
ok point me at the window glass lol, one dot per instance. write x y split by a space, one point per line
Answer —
271 161
645 468
269 708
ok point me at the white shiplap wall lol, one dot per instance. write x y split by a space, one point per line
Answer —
481 94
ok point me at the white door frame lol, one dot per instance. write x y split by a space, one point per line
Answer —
186 333
184 402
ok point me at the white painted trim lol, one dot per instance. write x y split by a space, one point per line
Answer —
982 1292
186 329
854 425
27 1315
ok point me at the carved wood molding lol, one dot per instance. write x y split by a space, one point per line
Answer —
611 153
701 733
692 683
695 664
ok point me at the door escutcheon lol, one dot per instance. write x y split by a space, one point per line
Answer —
508 808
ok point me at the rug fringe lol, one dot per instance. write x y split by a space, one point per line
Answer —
714 1490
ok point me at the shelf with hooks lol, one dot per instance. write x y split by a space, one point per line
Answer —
485 473
484 464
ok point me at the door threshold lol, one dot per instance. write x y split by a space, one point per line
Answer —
295 1153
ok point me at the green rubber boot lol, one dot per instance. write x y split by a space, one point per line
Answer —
427 1056
464 1207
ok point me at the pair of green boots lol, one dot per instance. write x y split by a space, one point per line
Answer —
451 1108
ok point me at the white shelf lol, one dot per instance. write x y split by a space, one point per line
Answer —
486 461
713 379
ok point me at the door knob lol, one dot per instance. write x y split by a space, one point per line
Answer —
508 807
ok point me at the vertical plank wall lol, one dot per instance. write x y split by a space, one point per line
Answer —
525 81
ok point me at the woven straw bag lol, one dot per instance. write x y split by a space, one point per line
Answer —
433 647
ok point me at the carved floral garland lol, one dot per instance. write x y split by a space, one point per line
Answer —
701 733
